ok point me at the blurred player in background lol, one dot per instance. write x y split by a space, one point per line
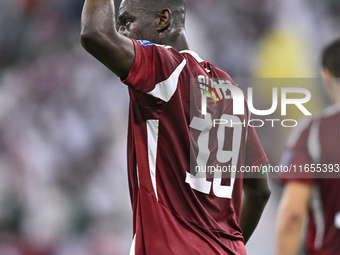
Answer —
314 141
174 212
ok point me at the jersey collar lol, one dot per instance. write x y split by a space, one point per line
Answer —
194 54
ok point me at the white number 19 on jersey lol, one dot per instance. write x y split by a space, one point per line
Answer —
199 182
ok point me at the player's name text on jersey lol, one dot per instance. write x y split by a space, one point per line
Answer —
225 89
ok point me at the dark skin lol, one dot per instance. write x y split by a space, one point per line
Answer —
255 197
116 51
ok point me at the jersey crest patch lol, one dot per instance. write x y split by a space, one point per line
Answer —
145 43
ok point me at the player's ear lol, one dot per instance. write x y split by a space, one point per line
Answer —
163 19
328 81
325 73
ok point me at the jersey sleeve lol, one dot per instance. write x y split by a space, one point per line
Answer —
297 154
156 69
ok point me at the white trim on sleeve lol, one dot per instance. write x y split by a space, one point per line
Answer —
166 89
133 245
152 136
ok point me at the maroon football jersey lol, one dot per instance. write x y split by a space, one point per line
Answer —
172 212
317 141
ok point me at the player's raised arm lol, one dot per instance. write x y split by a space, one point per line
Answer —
100 38
255 197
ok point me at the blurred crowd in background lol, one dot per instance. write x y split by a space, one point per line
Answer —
63 116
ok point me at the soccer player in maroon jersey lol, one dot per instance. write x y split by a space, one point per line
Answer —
174 211
314 141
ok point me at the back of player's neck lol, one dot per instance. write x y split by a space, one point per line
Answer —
181 44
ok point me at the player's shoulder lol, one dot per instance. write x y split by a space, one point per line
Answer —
309 126
212 71
189 55
158 47
192 55
327 117
295 134
331 112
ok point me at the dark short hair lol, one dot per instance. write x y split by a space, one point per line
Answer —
331 58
